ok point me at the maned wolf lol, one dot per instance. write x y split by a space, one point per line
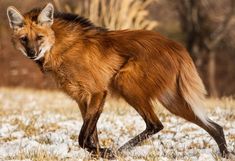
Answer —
90 62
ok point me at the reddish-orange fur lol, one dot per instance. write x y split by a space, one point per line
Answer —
139 66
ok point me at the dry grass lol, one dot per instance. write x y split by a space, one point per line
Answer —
45 125
113 14
36 156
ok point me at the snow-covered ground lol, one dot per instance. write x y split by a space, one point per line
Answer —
44 125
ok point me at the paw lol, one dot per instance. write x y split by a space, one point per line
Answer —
226 154
104 153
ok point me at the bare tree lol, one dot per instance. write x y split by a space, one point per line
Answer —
205 23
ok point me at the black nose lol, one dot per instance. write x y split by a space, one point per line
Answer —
31 53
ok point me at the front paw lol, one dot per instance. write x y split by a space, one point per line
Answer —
103 153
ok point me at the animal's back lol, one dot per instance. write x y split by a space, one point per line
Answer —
153 64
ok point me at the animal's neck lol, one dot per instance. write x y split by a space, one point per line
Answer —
40 63
66 36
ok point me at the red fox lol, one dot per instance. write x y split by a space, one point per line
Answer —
90 62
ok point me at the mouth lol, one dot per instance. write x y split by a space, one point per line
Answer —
34 57
40 54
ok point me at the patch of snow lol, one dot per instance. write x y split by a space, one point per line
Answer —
18 134
207 157
13 148
6 129
140 151
73 126
60 150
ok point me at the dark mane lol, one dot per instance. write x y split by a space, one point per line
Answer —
70 17
84 22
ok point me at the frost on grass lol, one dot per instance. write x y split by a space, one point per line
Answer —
44 125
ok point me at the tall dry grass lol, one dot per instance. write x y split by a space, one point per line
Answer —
113 14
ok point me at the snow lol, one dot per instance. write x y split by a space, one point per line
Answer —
17 146
6 130
56 131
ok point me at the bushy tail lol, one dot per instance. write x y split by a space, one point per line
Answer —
193 90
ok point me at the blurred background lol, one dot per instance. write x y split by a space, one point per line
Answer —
205 27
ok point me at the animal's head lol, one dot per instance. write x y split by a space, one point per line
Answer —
32 32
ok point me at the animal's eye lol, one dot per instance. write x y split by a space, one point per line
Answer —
24 39
39 37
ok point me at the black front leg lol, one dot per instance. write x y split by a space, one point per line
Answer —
92 115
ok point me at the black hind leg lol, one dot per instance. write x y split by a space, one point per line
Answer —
153 124
216 131
181 108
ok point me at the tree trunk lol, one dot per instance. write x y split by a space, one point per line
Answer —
212 74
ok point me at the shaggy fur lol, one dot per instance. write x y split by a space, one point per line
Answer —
89 62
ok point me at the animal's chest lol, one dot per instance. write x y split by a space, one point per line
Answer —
80 81
83 76
71 82
62 78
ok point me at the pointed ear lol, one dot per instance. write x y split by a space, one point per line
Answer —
16 20
46 16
